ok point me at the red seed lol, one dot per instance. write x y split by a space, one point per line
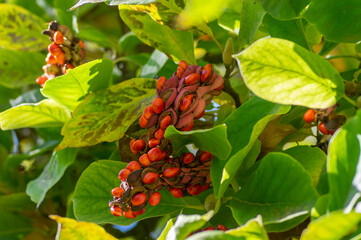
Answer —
208 229
208 66
129 214
153 142
148 112
188 127
309 116
205 74
143 121
159 134
194 189
176 192
201 115
155 154
186 102
221 227
160 83
60 58
133 165
140 212
158 105
58 37
123 174
144 160
183 64
41 80
188 158
138 199
50 59
138 145
323 129
68 65
81 44
150 178
154 199
165 122
164 155
191 78
54 49
205 156
131 149
180 72
219 88
171 172
117 192
116 211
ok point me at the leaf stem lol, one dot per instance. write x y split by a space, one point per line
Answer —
235 185
228 88
300 26
342 56
353 102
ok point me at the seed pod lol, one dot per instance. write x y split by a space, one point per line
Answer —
148 112
66 32
129 214
116 211
133 165
139 199
117 192
160 83
165 122
58 37
188 158
158 105
227 53
205 156
176 192
194 189
191 78
171 172
144 160
159 134
123 174
154 199
309 116
153 142
150 178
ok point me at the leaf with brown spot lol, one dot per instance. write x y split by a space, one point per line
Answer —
104 116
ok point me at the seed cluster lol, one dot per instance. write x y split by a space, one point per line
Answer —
180 99
65 52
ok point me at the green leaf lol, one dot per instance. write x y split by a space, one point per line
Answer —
344 16
243 128
106 114
251 18
113 2
174 42
153 65
292 76
186 224
51 174
70 89
93 192
278 201
19 68
327 47
13 224
213 140
286 29
343 161
65 17
313 159
335 225
284 9
42 114
166 229
21 29
16 202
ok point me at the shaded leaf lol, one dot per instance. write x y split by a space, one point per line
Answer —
213 140
19 68
70 229
21 29
284 9
46 113
65 17
174 42
71 88
268 194
153 65
113 2
16 202
51 174
93 192
13 224
106 114
292 76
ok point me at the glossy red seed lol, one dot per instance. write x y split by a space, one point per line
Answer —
148 112
176 192
144 160
155 154
130 145
164 154
309 116
186 102
60 58
221 227
188 158
116 211
129 214
205 74
138 145
54 49
160 83
140 212
205 156
58 37
165 122
188 127
117 192
208 66
138 199
201 115
208 229
150 178
323 129
180 72
143 121
183 64
81 44
133 165
158 105
153 142
41 80
159 134
123 174
194 189
191 78
154 199
68 65
50 59
171 172
205 187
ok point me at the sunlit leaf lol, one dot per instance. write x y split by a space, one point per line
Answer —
284 9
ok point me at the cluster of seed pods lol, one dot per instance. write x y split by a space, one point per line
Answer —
328 120
180 99
65 52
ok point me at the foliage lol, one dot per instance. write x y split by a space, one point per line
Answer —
280 169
